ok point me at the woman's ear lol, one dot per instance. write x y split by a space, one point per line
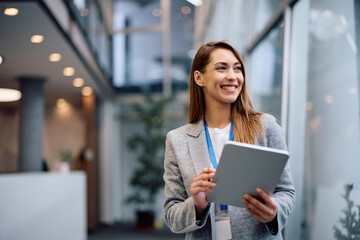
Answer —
199 80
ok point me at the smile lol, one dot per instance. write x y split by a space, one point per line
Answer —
229 87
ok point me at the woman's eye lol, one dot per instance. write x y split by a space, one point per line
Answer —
238 68
220 68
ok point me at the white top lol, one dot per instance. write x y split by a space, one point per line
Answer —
218 139
222 223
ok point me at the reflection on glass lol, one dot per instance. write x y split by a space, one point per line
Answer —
332 139
138 56
138 13
88 16
264 10
265 78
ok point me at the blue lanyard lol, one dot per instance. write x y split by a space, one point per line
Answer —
212 153
209 143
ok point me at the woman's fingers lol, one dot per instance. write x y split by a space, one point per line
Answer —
207 170
255 215
264 212
267 198
202 183
204 176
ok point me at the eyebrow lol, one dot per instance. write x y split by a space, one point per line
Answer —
224 63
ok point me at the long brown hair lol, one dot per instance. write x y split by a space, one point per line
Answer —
246 121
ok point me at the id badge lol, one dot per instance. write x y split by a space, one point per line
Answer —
222 223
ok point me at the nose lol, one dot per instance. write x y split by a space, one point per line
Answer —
231 75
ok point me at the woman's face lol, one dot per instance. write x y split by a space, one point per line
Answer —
222 80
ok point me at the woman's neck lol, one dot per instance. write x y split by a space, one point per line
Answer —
218 117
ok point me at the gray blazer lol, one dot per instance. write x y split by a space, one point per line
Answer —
186 155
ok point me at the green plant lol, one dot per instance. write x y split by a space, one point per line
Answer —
351 222
147 178
66 155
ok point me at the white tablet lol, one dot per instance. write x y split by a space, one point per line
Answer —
244 167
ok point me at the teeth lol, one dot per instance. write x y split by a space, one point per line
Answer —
229 88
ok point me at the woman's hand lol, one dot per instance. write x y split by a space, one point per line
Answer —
200 187
263 212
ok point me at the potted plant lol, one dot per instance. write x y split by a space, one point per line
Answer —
147 177
350 223
66 158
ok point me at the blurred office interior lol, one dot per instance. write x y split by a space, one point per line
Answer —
80 66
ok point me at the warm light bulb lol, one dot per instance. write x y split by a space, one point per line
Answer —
37 38
11 11
68 71
1 59
9 95
55 57
186 10
61 103
78 82
86 91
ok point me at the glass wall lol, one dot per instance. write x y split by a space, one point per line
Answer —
265 75
332 157
139 44
92 23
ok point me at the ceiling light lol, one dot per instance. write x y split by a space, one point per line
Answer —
11 11
37 38
9 95
55 57
1 59
68 71
195 2
61 103
78 82
86 91
186 10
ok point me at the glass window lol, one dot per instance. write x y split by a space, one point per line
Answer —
138 59
182 28
138 56
263 10
265 76
137 13
228 21
332 138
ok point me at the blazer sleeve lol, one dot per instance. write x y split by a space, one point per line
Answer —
284 194
178 207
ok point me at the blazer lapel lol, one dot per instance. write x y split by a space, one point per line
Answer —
198 147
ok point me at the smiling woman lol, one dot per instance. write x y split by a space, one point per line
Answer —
220 110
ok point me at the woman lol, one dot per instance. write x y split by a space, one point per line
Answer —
220 107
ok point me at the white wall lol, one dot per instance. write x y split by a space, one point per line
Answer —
43 206
109 164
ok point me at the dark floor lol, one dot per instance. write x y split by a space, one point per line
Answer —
126 231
